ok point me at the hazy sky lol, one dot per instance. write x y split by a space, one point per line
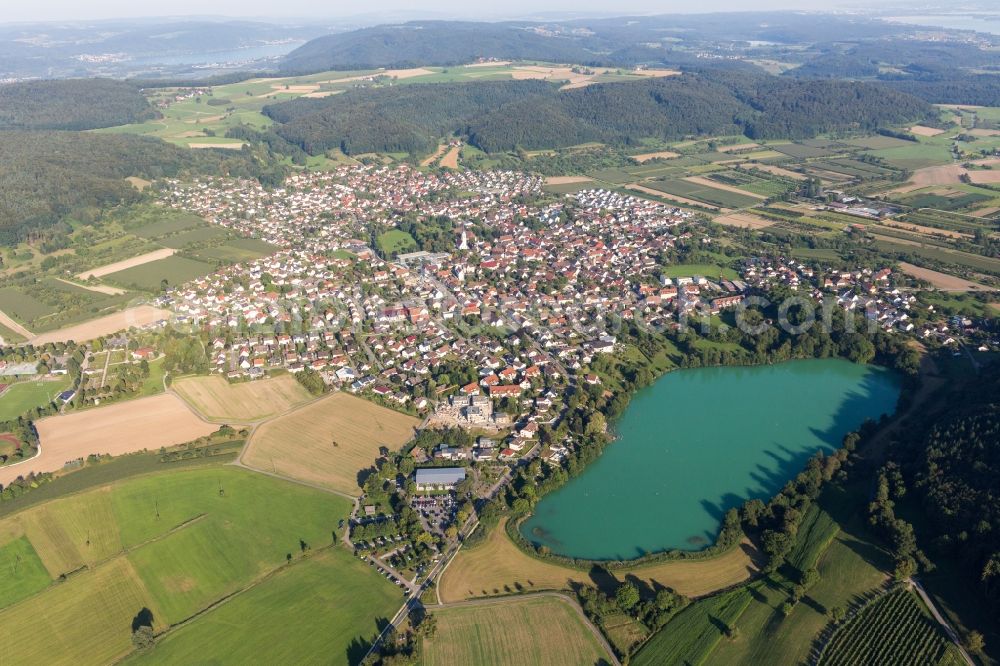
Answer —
58 10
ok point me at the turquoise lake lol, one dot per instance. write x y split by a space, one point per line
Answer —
699 442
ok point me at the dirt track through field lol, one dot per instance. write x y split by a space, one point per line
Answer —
112 323
108 269
125 427
673 197
707 182
98 288
9 322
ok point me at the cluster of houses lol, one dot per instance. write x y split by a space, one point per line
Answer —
553 271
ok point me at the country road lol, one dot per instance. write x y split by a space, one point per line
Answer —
952 634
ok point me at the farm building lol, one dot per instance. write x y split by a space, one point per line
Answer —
439 477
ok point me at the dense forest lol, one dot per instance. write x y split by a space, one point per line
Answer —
46 176
976 89
953 460
72 104
502 115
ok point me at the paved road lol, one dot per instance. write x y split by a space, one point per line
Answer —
952 634
414 589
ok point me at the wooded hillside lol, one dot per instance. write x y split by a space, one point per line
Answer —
956 467
46 176
72 104
502 115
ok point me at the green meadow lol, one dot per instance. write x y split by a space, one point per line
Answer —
170 546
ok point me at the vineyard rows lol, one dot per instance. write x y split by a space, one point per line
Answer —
893 630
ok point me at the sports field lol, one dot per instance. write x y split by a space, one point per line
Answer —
146 423
218 400
329 441
176 543
497 566
710 271
545 631
395 241
21 397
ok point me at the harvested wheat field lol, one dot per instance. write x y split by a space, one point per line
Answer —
450 160
112 323
134 425
743 221
218 400
328 442
983 132
941 281
108 269
436 154
663 154
990 177
948 174
567 180
508 631
923 130
497 566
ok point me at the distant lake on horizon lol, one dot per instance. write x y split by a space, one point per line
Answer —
699 442
989 23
